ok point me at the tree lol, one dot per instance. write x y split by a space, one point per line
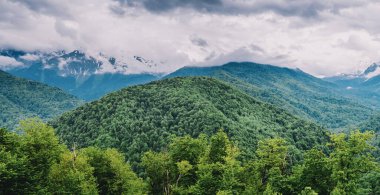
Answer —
351 159
219 170
186 152
72 175
42 149
269 168
316 172
112 173
308 191
13 170
159 170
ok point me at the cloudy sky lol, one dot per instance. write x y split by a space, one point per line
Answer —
322 37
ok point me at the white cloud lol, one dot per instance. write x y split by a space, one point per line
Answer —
30 57
322 38
7 62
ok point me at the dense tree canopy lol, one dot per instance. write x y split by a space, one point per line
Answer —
34 162
142 118
291 89
22 98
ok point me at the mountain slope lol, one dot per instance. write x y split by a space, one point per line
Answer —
139 118
21 98
87 77
293 90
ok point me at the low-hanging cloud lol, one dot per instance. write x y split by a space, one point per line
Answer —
302 8
321 37
8 62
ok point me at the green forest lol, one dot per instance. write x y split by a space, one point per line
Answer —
185 135
291 89
21 98
141 118
34 161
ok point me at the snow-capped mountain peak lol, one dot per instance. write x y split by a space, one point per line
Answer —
372 71
81 64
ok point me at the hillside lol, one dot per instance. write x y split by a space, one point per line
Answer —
21 98
293 90
372 124
139 118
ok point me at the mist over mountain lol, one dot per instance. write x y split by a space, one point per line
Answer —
364 85
87 77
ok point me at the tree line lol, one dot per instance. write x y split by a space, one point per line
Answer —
34 161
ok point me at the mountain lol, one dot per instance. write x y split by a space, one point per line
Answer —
21 98
356 79
144 117
364 86
85 76
293 90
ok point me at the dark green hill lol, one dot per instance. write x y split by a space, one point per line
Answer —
293 90
139 118
22 98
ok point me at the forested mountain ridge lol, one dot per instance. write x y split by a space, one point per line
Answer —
315 99
22 98
139 118
292 90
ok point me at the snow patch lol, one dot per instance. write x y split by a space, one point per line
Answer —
376 72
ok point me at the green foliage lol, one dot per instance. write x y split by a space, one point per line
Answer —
308 191
13 164
218 170
21 98
316 172
158 168
171 172
373 124
293 90
72 175
141 118
266 174
34 162
112 174
42 149
370 182
351 159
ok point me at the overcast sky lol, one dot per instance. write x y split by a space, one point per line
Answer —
322 37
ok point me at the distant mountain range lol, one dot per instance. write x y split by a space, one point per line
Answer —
335 102
364 85
87 77
21 98
356 79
